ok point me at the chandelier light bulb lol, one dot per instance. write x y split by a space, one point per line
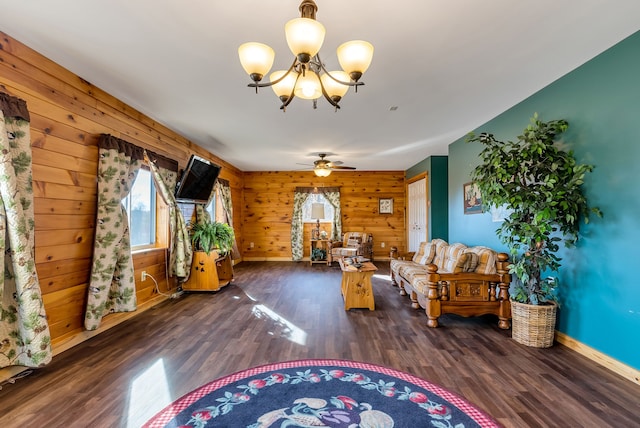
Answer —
283 88
308 86
256 59
333 88
355 57
304 37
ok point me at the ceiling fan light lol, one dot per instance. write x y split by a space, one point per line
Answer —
283 88
304 36
355 57
256 59
322 172
333 88
308 86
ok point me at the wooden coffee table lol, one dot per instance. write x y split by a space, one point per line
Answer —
356 285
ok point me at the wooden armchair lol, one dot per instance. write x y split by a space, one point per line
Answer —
352 244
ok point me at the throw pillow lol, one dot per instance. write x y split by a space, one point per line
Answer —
486 260
454 258
428 254
471 263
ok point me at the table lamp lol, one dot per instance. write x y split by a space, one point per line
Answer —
317 212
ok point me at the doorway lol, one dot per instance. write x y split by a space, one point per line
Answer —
417 220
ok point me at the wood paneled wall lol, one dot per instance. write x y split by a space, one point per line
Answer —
67 116
268 208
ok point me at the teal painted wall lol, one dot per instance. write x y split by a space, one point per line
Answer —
601 289
436 168
439 199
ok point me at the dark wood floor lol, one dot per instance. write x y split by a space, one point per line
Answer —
277 311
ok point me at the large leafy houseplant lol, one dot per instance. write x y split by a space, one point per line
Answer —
541 186
208 236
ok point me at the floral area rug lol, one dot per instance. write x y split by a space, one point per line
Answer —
321 393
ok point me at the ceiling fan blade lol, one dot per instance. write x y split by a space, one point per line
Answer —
336 162
305 164
343 167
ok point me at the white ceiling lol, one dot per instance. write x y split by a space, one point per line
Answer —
448 65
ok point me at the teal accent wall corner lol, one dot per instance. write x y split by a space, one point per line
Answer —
600 289
436 168
439 198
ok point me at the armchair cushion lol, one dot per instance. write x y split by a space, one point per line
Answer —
352 244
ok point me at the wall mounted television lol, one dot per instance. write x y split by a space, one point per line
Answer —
197 180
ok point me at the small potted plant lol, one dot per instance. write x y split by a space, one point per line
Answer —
541 187
211 267
209 236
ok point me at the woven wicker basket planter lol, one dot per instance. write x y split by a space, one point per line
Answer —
533 325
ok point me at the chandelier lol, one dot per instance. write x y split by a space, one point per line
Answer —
307 78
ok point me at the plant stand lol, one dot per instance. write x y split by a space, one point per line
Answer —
533 325
209 272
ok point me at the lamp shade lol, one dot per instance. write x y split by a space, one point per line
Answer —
355 56
304 36
322 171
308 86
317 211
284 88
256 58
333 88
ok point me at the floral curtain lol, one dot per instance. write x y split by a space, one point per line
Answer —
300 196
165 177
112 287
24 333
200 210
224 191
332 194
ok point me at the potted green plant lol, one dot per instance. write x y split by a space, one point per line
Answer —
319 254
211 267
540 185
208 236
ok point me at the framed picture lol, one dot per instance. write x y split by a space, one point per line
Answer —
385 205
472 198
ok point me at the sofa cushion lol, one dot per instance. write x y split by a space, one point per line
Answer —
344 252
451 258
420 253
409 272
425 254
420 284
438 260
486 260
399 266
354 239
471 263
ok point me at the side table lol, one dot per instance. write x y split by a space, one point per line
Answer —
356 285
318 244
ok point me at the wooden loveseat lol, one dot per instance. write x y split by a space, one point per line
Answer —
453 278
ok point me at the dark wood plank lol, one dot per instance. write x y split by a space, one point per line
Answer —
277 311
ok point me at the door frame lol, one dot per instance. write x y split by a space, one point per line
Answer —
409 181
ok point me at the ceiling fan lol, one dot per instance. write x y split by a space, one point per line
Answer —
323 167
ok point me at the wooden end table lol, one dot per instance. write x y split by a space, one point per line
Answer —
320 244
356 285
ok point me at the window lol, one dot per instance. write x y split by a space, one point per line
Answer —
211 208
188 209
141 210
317 198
